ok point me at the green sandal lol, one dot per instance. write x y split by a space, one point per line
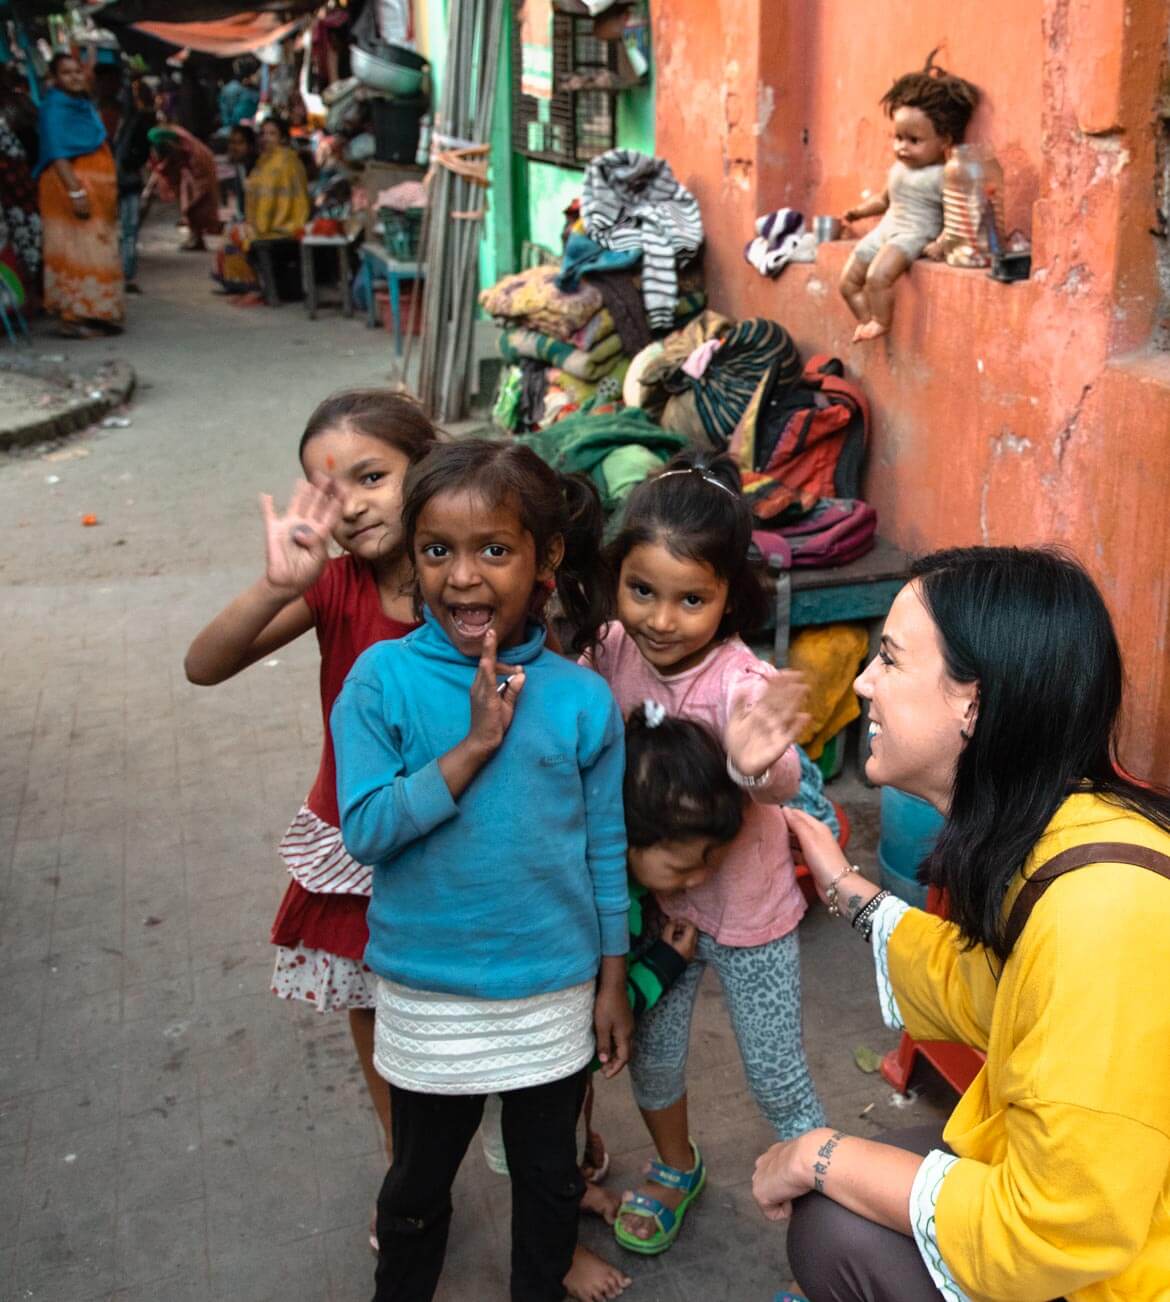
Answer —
667 1222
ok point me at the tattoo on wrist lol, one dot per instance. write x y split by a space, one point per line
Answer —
824 1160
852 904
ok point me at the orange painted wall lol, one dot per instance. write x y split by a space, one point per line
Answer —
1002 414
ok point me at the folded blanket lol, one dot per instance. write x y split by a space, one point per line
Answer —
592 365
532 297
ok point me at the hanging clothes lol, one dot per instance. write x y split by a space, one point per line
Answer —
633 201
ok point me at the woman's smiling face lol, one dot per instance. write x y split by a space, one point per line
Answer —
917 712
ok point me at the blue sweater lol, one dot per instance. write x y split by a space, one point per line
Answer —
518 887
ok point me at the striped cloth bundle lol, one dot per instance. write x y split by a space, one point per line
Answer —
632 201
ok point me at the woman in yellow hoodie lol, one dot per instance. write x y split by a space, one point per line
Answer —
996 696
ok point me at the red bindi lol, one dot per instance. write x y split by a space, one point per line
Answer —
330 464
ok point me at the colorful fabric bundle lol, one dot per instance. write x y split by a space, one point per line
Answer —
531 297
829 656
583 255
592 365
632 201
756 354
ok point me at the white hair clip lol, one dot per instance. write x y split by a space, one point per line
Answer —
705 475
653 712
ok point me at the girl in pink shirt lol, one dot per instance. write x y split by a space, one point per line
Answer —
685 592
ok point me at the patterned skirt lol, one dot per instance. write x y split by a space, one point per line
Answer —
83 265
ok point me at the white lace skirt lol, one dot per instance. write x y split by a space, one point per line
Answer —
452 1044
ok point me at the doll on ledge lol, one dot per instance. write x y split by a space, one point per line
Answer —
930 111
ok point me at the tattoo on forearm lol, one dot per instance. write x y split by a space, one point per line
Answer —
852 904
824 1158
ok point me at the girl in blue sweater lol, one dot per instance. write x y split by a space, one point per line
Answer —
480 774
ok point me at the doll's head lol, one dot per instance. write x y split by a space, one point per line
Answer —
930 111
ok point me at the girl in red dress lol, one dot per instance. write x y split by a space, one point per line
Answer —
355 452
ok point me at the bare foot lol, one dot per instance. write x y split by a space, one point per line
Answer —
601 1202
871 330
590 1279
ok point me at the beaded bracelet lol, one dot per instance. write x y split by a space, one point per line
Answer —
863 918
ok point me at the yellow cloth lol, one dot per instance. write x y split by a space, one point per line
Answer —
1063 1182
276 195
829 656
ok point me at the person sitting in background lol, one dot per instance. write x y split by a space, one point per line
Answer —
232 271
78 195
276 204
187 168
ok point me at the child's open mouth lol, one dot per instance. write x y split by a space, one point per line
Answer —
471 621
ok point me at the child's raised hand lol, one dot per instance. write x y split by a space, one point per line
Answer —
491 707
760 731
682 937
297 543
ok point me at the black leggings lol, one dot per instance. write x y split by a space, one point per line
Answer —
431 1134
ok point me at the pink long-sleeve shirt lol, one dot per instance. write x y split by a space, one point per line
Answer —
754 897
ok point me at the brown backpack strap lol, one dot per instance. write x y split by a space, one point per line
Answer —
1079 856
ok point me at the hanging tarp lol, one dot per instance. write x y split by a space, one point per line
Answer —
226 39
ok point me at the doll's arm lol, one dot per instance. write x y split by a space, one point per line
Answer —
868 208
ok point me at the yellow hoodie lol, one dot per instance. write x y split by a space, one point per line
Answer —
1063 1182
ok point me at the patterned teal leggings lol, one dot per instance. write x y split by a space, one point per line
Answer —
762 988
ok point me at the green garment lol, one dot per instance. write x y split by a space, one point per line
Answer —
583 442
654 966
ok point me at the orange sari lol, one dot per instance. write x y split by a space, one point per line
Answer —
83 268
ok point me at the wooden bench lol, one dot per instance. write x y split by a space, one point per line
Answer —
860 592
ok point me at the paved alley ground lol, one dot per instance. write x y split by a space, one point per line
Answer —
169 1131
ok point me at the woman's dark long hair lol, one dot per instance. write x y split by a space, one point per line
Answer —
548 505
1030 628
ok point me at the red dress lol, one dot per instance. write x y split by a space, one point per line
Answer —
347 610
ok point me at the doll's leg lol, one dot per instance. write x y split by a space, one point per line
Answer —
852 286
884 270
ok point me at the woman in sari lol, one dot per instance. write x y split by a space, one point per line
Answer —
232 270
188 168
78 196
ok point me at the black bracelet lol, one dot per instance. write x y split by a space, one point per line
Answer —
863 918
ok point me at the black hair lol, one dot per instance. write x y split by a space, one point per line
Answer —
242 129
59 58
948 101
281 124
549 505
1031 630
698 516
390 417
676 784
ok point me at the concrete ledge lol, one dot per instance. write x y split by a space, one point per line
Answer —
48 400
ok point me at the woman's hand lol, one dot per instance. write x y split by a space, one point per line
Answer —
682 937
827 864
492 708
297 543
760 731
613 1022
780 1176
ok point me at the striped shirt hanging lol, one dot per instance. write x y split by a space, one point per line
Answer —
632 201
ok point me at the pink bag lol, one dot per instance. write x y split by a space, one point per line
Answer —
836 531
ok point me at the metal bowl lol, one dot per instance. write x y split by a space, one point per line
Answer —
387 74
